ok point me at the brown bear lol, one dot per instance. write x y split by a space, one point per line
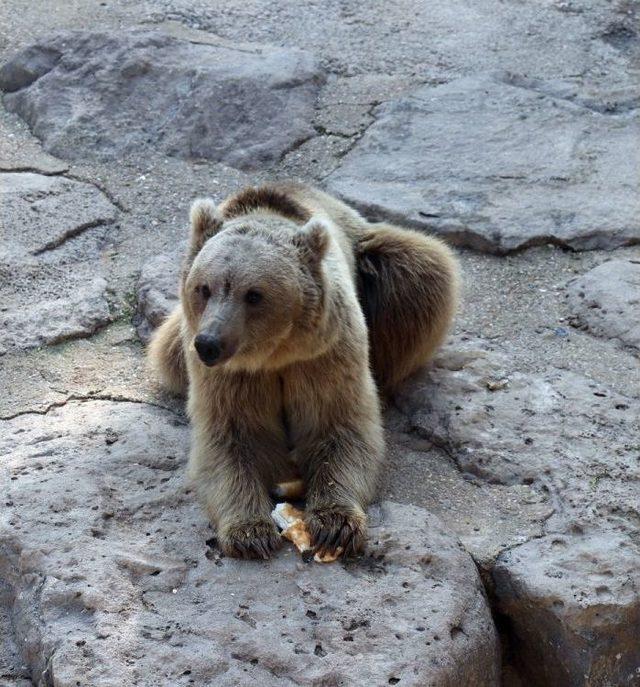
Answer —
294 311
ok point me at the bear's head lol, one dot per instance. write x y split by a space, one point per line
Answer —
252 287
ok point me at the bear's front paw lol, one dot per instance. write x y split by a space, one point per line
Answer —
337 528
257 539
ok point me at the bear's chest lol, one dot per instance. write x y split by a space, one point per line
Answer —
306 401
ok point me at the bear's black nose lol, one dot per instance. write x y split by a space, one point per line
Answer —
208 348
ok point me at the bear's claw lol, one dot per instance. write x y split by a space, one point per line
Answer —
251 540
333 528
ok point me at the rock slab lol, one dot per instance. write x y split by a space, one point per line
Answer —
51 264
115 578
499 162
105 95
157 293
572 601
571 595
606 301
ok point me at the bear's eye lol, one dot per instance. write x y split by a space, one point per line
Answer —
252 297
204 291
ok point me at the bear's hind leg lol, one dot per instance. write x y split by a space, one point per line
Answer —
166 356
408 291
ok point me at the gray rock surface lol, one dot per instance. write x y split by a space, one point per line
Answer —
50 262
558 430
606 301
500 163
573 602
569 592
157 292
115 579
109 94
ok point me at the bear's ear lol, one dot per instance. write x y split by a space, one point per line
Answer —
312 240
206 221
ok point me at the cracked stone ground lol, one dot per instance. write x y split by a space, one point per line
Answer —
506 547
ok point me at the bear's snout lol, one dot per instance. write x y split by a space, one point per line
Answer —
208 348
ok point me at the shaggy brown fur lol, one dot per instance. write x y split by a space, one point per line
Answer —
407 285
290 391
264 198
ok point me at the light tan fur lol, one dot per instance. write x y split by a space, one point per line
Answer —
292 490
166 354
294 394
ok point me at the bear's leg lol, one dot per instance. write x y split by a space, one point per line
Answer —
408 291
166 356
232 475
342 467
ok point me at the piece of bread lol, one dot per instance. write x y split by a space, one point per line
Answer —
291 521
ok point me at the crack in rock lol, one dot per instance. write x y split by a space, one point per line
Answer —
88 397
66 174
42 214
68 235
34 170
